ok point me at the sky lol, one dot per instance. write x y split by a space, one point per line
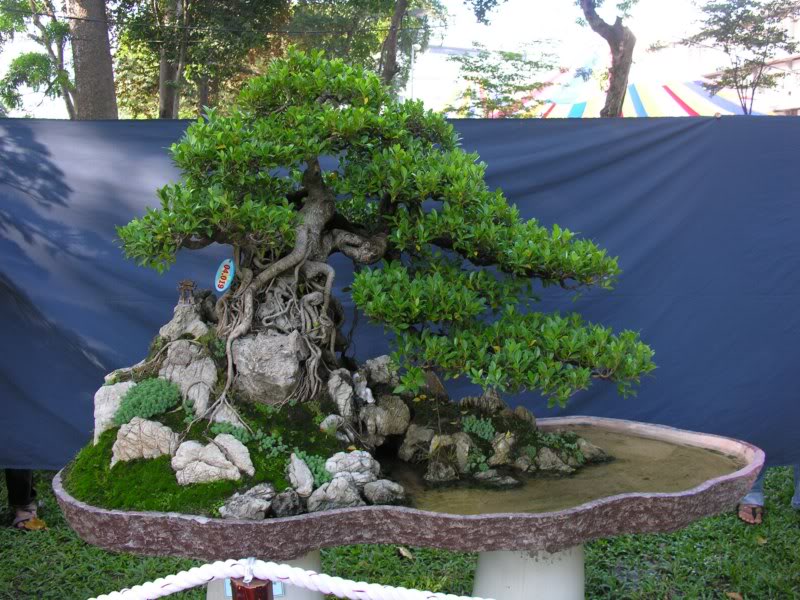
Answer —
512 25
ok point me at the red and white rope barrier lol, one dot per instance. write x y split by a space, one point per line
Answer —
250 568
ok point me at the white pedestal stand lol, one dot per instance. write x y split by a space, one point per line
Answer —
510 575
310 562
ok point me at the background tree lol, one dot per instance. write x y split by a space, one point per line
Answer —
750 33
201 43
454 284
375 34
44 71
91 58
500 83
619 37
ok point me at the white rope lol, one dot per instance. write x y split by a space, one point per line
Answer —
251 568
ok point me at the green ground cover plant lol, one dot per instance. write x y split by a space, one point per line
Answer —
708 560
90 477
149 398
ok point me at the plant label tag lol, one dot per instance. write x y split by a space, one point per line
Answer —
224 276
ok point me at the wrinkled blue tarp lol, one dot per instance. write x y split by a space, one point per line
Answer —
703 213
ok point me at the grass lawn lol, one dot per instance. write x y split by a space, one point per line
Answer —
718 557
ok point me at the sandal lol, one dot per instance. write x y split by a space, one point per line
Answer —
755 511
26 519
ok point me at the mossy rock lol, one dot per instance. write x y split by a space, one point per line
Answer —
150 484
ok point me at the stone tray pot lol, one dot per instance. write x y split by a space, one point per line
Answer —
530 555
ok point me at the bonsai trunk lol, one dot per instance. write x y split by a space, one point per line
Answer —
293 293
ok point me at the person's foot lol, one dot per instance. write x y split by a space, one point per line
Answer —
27 519
751 513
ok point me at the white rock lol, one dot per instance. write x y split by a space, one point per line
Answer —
287 504
362 391
389 416
186 319
494 479
549 461
225 414
523 413
124 372
252 504
106 403
359 464
416 443
380 370
332 423
336 425
341 492
463 444
143 439
246 507
268 366
384 491
490 402
236 452
342 394
503 445
300 476
193 373
439 472
590 452
196 463
265 491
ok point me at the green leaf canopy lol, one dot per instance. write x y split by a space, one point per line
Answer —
454 280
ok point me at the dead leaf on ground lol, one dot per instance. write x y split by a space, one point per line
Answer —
761 540
405 552
734 595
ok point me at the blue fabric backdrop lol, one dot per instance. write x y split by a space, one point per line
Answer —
703 214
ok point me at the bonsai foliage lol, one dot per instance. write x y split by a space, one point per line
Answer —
450 261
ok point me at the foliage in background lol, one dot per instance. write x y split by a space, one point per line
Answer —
188 50
43 71
619 37
500 84
355 30
750 33
146 399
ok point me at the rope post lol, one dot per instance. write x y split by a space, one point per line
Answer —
255 590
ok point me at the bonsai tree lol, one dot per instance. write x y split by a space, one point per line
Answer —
446 263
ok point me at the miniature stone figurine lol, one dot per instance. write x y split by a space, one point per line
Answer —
186 288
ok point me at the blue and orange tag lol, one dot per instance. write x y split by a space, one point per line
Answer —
224 276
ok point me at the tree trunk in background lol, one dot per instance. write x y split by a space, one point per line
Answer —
389 51
621 41
203 94
167 87
95 97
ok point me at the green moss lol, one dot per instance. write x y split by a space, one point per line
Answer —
151 484
140 484
176 420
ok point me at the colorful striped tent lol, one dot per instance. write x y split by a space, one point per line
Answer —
677 99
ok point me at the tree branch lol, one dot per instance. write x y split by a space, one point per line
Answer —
362 249
597 24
